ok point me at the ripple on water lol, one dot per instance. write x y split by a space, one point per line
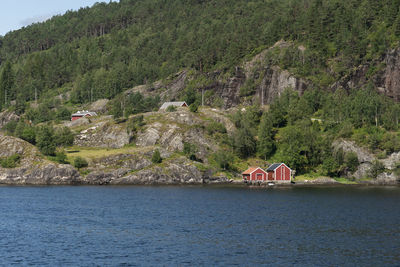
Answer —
81 226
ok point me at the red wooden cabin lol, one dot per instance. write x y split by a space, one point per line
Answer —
279 172
81 114
254 174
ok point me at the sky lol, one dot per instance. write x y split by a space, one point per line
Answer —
14 14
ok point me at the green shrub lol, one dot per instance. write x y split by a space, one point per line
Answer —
190 151
215 127
397 169
376 169
29 134
10 127
224 159
61 157
10 162
64 137
80 162
171 109
63 114
156 158
194 107
45 140
351 161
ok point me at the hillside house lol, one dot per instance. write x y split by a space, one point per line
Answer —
279 172
81 114
175 104
255 174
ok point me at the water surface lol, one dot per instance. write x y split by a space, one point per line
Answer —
81 226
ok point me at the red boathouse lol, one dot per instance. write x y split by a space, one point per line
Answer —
279 172
254 174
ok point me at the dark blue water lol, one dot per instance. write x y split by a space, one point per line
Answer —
86 226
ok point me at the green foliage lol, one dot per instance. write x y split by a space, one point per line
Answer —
103 50
215 127
194 107
45 140
63 114
376 169
224 159
351 161
190 151
80 163
7 83
136 103
248 88
330 167
116 109
10 162
10 127
63 137
156 158
171 109
29 134
265 143
61 157
135 124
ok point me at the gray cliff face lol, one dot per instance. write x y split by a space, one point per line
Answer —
103 134
386 79
391 75
366 160
33 169
49 174
142 171
271 82
123 168
176 129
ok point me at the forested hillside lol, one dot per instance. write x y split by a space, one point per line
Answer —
98 52
328 70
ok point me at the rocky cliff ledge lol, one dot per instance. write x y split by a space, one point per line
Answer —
32 167
137 168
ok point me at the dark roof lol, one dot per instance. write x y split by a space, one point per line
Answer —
274 166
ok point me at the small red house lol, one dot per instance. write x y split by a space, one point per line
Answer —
81 114
279 172
254 174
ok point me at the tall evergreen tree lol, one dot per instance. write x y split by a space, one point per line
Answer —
265 144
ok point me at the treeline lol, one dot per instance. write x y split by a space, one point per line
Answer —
99 52
300 130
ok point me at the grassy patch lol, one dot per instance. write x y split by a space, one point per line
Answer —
307 176
343 180
94 152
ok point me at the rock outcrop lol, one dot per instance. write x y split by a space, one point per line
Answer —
104 134
124 168
271 82
386 78
174 130
6 117
366 160
391 76
32 168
